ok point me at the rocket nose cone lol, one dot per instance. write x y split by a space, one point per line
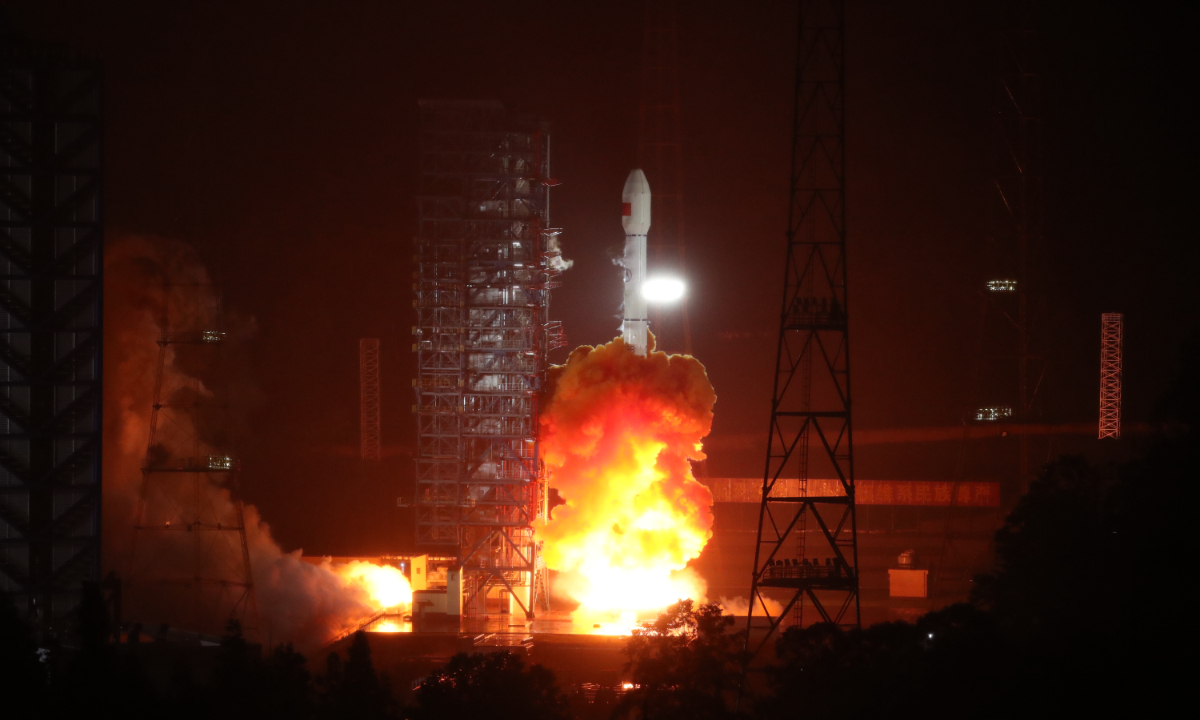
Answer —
635 184
635 204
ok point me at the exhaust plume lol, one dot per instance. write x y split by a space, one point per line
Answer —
618 435
299 601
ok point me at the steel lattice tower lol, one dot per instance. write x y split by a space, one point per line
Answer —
810 408
190 562
368 392
487 260
51 327
1110 375
660 156
1009 369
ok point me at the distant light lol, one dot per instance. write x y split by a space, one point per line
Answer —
662 289
992 414
930 636
1002 285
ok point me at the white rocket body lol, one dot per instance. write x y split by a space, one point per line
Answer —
635 218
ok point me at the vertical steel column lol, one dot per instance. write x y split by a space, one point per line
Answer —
810 428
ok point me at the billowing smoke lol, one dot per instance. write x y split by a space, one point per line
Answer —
619 433
299 601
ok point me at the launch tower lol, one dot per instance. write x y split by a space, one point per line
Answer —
51 249
810 429
486 261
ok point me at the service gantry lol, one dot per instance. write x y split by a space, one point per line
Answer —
51 328
486 261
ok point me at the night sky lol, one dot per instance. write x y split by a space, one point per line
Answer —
280 140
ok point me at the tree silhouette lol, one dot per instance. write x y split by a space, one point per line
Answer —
287 684
494 685
683 665
352 689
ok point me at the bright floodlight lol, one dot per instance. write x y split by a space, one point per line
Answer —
662 289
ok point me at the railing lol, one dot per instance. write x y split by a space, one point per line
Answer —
793 569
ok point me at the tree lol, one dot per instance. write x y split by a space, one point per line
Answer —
1056 551
683 665
1091 565
287 683
352 689
235 681
951 663
494 685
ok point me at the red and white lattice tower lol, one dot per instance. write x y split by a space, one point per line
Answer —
368 374
1110 375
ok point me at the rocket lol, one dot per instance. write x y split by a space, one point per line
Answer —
635 218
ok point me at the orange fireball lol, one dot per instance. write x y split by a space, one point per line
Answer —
618 437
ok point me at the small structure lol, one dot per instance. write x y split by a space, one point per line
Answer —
907 580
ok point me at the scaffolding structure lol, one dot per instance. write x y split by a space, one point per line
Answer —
189 561
1111 328
51 328
486 260
660 156
811 402
368 398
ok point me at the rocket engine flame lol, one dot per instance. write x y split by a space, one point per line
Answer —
384 585
618 434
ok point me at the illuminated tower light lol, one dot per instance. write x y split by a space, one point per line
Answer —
368 374
1110 375
992 414
1002 285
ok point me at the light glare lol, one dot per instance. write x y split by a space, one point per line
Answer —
662 289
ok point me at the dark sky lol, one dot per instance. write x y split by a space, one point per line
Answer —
279 138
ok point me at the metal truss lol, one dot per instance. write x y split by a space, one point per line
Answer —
487 262
810 429
1110 375
189 560
51 249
